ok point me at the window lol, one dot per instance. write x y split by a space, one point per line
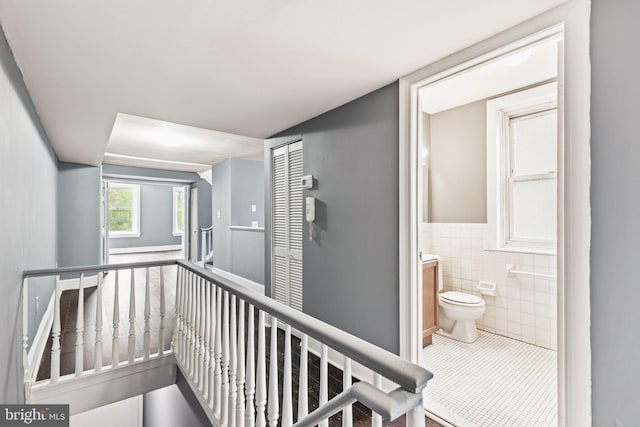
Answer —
124 210
522 134
178 211
531 185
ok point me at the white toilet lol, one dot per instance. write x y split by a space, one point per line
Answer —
458 311
458 314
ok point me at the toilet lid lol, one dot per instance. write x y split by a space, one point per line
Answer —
460 298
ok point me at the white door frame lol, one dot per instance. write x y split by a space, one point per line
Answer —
574 344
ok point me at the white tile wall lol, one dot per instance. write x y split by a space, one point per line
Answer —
524 308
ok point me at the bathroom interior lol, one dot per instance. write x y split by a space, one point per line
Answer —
489 208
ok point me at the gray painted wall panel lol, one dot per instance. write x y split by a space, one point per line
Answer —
615 239
28 218
247 254
238 184
351 268
458 164
156 219
221 190
78 214
247 180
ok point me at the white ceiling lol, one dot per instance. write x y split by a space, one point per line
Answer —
244 67
174 146
517 70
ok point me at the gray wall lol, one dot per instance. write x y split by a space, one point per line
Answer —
173 406
156 219
238 184
28 194
458 164
221 190
247 188
204 189
615 238
351 268
247 254
78 215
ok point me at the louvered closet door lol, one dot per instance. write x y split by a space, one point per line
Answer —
287 225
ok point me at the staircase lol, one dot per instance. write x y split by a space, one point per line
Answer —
249 359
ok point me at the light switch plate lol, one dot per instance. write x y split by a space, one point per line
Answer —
307 182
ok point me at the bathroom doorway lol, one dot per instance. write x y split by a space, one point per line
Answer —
484 215
489 143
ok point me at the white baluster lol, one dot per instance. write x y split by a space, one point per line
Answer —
175 338
347 412
240 378
415 416
261 375
250 413
132 319
303 384
206 304
203 348
203 247
55 335
217 376
233 362
80 328
163 309
224 416
25 338
274 407
212 343
190 344
185 320
115 341
196 331
181 312
147 316
98 354
287 388
376 420
324 381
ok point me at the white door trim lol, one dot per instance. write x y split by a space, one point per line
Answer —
574 346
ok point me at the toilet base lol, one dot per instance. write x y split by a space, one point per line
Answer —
461 330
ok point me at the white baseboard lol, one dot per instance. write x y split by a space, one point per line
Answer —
40 340
140 249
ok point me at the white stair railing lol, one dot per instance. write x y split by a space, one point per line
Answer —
79 279
251 386
234 346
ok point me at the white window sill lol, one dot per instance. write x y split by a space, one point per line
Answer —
533 251
177 233
125 235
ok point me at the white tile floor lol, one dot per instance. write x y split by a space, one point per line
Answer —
495 381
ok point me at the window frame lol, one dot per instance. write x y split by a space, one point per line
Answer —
509 238
135 211
501 112
175 231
